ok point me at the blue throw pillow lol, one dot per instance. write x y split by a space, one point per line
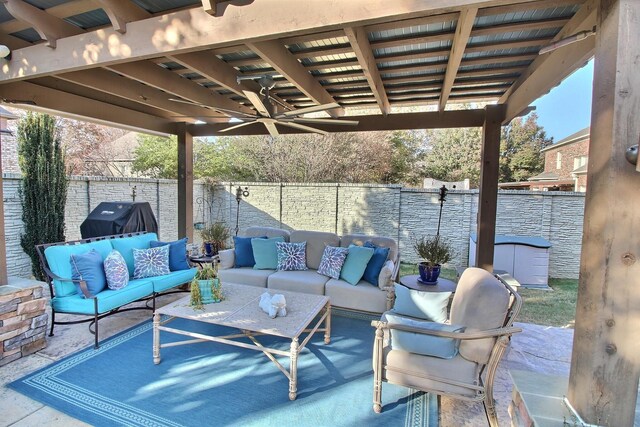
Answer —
88 267
116 271
265 253
422 305
332 261
151 262
177 253
374 267
355 264
426 345
243 251
292 256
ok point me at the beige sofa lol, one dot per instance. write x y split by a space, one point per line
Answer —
363 297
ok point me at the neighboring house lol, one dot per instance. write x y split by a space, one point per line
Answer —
565 166
451 185
8 142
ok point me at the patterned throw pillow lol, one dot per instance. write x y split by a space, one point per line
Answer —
115 268
332 261
292 256
151 262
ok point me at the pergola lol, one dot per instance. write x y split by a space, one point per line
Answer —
122 62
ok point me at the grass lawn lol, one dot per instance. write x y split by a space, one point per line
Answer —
552 308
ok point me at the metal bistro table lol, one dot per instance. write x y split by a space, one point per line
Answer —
443 285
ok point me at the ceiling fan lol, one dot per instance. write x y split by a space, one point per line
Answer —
268 114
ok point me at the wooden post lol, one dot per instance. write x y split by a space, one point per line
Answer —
488 197
3 247
605 363
185 182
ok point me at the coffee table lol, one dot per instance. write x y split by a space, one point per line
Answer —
240 310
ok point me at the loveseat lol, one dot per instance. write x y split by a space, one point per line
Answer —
74 297
363 296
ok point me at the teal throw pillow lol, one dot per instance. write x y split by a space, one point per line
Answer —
422 305
426 345
332 261
265 253
355 264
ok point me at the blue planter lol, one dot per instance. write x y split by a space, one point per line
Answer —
206 291
429 273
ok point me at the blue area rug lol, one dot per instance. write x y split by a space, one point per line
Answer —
214 384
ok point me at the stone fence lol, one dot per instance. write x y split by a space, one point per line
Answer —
388 210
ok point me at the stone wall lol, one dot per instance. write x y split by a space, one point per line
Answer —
387 210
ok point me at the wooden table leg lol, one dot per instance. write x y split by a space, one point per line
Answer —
156 338
293 369
327 323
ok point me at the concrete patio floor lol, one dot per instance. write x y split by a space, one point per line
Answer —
537 349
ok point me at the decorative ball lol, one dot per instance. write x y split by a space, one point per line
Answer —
632 154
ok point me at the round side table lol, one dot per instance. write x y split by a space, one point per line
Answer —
443 285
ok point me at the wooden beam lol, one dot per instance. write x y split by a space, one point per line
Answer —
185 182
488 197
360 42
13 42
523 7
192 30
120 12
153 75
463 31
550 69
64 10
281 59
110 82
49 27
429 120
605 367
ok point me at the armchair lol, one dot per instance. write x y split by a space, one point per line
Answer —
484 308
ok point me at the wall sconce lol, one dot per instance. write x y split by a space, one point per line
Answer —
632 154
5 52
240 193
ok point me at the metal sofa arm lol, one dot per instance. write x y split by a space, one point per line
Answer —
473 335
83 283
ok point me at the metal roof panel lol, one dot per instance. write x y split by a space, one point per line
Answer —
88 20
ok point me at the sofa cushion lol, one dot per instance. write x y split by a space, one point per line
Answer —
175 278
316 242
421 304
126 245
332 261
291 256
380 255
151 262
265 231
426 345
363 297
245 276
355 264
382 242
177 253
115 270
107 299
265 252
243 251
88 267
58 259
307 281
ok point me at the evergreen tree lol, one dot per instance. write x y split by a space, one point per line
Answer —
44 185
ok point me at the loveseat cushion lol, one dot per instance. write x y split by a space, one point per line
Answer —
126 245
265 231
306 281
58 258
316 242
245 276
107 299
363 297
176 278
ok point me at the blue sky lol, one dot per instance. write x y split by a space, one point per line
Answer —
567 108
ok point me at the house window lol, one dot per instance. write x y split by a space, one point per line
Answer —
579 161
559 161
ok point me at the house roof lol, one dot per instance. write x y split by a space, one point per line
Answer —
581 135
545 176
580 170
127 65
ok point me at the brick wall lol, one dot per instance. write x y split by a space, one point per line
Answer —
568 153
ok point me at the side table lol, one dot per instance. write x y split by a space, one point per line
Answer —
443 285
203 259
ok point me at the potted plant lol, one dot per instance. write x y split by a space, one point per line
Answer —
434 252
215 238
205 287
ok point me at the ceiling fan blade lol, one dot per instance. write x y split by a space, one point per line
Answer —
224 110
304 128
18 101
310 109
271 127
326 121
238 126
255 100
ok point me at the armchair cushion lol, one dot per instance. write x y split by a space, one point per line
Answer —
422 305
426 345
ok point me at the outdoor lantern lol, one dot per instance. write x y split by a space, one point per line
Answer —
240 193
